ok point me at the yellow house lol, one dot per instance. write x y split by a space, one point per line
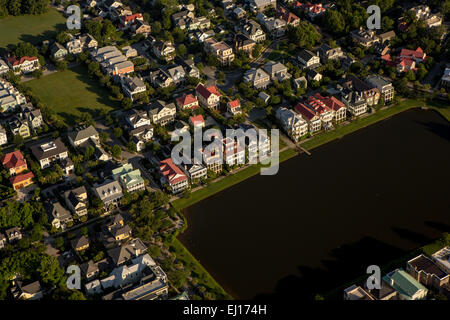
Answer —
22 180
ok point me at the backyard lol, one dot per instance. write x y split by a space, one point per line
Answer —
30 28
77 93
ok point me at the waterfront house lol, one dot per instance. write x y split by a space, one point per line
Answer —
173 176
195 172
310 116
292 123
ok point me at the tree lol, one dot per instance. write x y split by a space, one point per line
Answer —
104 136
14 8
181 50
50 271
84 231
18 139
63 37
156 28
59 243
334 21
25 49
305 35
61 65
387 23
89 152
127 103
116 151
117 132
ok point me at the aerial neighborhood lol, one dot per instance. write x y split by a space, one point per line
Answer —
94 187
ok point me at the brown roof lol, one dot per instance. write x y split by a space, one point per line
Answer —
79 242
423 263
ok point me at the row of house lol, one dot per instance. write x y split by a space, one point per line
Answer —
317 112
10 97
112 61
230 151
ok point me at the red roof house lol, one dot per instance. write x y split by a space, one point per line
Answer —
197 121
21 180
173 175
14 162
188 101
417 55
234 106
126 21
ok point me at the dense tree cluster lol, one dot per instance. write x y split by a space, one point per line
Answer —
19 214
304 36
19 7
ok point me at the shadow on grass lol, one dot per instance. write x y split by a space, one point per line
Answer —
46 35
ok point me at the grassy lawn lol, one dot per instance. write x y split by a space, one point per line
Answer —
226 182
343 130
30 28
72 92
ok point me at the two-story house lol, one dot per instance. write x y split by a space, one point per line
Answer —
161 113
77 201
173 176
49 151
209 97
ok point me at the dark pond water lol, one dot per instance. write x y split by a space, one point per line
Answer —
365 199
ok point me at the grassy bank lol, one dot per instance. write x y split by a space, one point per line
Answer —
204 278
226 182
360 123
428 250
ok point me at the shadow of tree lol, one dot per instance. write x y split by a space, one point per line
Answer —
349 262
440 129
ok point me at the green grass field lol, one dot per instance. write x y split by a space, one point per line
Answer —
72 92
30 28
